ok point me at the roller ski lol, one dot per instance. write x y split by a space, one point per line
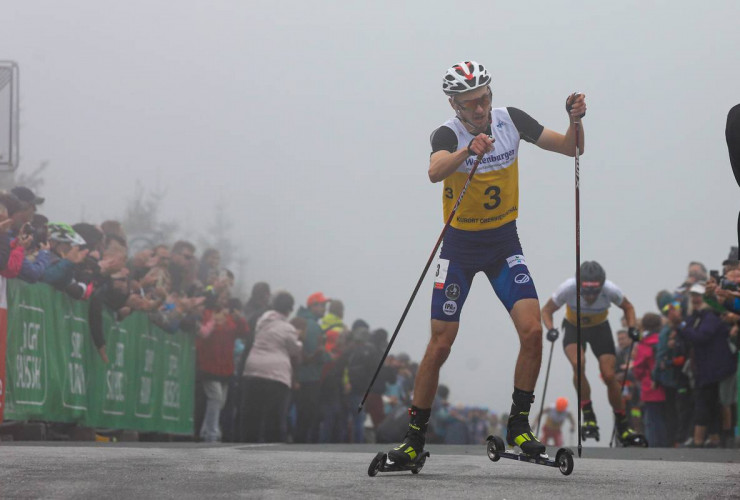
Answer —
410 454
589 428
383 463
519 433
563 458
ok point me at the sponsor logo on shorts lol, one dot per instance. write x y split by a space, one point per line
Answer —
449 307
452 291
439 286
516 260
521 278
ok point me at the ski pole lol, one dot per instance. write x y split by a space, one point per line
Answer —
421 278
621 391
544 391
578 280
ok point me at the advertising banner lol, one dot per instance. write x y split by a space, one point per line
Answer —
54 373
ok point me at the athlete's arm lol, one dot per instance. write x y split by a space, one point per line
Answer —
547 312
629 312
565 144
444 163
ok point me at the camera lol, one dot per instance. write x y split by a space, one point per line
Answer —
40 235
726 284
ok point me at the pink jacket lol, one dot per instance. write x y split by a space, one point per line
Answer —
643 369
275 344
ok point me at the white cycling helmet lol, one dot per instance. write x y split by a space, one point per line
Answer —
59 231
465 76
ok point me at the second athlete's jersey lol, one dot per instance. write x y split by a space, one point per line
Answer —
492 198
591 314
554 418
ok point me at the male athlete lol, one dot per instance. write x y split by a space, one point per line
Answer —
483 237
597 295
555 415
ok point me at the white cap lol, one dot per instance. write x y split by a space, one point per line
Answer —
697 288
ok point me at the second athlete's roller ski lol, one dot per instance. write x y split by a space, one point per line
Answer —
381 463
563 458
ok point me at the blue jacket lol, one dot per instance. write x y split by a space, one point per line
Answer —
33 271
713 359
669 363
59 273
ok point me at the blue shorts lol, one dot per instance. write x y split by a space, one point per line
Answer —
497 252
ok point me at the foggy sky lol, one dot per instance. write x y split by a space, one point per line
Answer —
310 122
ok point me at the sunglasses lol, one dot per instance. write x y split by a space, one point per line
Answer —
472 104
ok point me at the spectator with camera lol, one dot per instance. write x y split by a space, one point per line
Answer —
713 361
697 273
182 265
38 255
728 298
215 359
22 212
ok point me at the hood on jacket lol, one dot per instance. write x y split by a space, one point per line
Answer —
651 338
269 317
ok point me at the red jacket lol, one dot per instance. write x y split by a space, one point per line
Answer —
643 369
15 260
216 349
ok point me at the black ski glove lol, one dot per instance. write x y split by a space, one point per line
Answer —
634 334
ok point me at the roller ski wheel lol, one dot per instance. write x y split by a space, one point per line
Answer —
494 445
564 459
381 464
590 432
496 450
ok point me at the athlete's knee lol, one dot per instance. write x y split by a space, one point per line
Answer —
440 344
530 337
438 350
608 376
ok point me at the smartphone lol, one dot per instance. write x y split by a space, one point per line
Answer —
715 275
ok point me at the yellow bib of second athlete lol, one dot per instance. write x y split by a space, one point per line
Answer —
492 198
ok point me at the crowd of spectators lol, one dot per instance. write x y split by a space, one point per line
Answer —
268 371
262 373
682 385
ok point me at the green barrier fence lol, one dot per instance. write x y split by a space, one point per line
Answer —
54 372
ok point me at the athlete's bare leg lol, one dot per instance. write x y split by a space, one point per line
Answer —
607 364
571 352
526 317
438 349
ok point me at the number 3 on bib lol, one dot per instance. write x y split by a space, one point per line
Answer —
493 193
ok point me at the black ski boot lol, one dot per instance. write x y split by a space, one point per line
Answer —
518 430
589 427
626 435
413 444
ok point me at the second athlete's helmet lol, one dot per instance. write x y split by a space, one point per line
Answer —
592 275
465 76
561 404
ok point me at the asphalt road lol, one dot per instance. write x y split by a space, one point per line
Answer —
187 470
